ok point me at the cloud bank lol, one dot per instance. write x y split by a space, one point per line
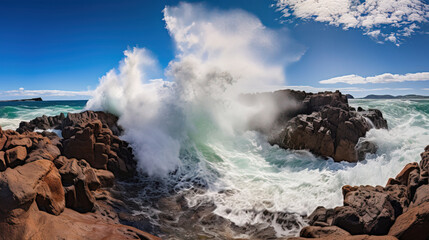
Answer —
383 20
382 78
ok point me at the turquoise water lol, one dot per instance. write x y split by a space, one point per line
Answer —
258 176
12 113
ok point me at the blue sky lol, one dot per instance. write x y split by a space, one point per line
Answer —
60 49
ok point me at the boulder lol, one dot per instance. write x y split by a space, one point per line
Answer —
16 156
413 224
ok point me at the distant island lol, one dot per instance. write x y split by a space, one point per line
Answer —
25 100
409 96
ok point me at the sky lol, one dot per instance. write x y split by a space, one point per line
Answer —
61 49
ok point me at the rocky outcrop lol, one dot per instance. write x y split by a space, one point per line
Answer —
47 182
400 209
327 126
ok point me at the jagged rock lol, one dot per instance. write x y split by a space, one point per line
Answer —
413 224
15 156
326 125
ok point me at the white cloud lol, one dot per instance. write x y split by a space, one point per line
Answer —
21 92
382 78
388 20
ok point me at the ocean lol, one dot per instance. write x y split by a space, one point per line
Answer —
243 175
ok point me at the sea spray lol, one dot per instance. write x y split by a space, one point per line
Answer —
219 56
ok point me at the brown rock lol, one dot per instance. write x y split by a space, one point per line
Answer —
402 177
70 224
318 232
16 156
20 186
373 207
413 224
14 142
91 179
421 196
50 193
80 146
106 178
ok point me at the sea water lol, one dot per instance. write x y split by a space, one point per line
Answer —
258 176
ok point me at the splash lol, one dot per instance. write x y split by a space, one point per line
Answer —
219 56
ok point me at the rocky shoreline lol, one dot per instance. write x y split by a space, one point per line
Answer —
81 184
400 210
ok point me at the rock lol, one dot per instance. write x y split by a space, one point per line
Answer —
321 214
413 224
50 193
421 196
79 179
16 156
69 225
348 219
91 179
402 177
80 146
43 151
3 165
370 210
365 147
106 178
70 171
318 232
18 141
20 186
327 126
83 200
